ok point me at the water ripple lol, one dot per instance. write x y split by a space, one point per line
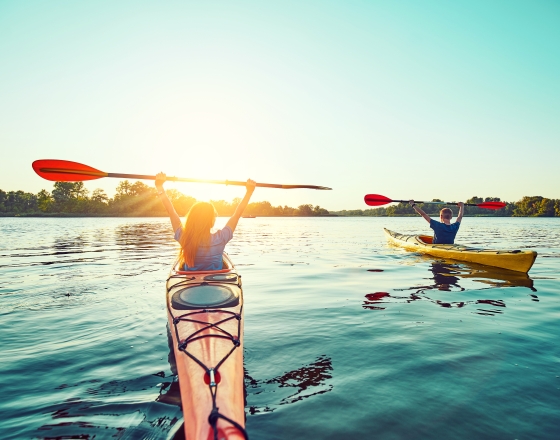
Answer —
344 335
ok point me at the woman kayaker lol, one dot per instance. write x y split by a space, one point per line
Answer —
200 248
444 230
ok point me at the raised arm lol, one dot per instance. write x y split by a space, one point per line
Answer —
232 222
461 206
419 211
173 216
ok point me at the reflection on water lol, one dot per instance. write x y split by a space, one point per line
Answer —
293 386
142 236
448 277
170 392
444 276
450 274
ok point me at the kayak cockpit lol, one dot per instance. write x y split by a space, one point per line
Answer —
426 239
212 289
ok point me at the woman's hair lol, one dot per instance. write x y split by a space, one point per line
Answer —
446 213
200 220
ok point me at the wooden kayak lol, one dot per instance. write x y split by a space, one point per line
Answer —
517 260
205 311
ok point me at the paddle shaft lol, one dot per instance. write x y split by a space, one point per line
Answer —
434 203
217 182
100 174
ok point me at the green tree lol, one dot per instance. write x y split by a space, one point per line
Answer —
403 209
317 210
287 211
3 198
351 212
99 196
18 202
262 209
139 189
99 202
376 212
69 197
305 210
528 206
124 189
136 199
545 208
45 201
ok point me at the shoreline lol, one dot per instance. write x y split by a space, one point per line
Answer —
133 215
78 215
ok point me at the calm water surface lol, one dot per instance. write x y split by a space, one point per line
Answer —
345 337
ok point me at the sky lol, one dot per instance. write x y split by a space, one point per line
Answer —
408 99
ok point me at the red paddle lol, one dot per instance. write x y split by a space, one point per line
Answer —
67 171
379 200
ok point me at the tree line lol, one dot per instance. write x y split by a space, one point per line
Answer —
131 199
528 206
138 199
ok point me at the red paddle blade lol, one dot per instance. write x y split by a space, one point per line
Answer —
491 205
376 200
65 171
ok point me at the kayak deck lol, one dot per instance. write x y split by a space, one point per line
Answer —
516 260
205 312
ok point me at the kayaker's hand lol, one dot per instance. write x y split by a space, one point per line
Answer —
411 202
160 179
460 204
250 185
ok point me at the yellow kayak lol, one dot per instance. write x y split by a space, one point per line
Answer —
517 260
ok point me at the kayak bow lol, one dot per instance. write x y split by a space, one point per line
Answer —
517 260
205 312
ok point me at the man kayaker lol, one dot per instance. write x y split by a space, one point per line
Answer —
444 230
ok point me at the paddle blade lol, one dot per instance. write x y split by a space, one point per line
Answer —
491 205
376 200
65 170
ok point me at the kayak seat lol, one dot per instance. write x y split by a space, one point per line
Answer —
426 239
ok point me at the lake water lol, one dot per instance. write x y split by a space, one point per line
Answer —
345 337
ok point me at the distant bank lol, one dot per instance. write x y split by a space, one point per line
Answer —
72 199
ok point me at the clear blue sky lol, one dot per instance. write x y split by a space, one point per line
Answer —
410 99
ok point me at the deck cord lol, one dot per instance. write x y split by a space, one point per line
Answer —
211 372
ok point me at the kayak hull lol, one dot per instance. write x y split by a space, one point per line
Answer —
516 260
205 312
